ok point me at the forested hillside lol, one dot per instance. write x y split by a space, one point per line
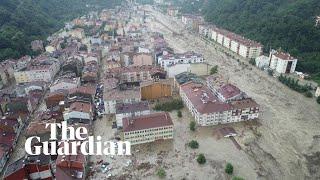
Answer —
285 24
22 21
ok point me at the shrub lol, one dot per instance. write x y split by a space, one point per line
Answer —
161 173
270 72
201 159
229 168
252 62
318 99
192 126
193 144
308 94
214 70
175 104
179 114
237 178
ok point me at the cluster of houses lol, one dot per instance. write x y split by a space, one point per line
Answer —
61 84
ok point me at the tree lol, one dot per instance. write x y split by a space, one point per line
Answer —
214 70
237 178
179 114
308 94
229 168
161 173
201 159
193 144
192 126
318 99
252 62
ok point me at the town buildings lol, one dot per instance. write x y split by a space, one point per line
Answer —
132 109
209 109
152 90
282 62
148 128
65 84
184 58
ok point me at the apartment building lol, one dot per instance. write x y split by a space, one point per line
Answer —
236 43
184 58
79 112
44 71
137 73
148 128
208 109
124 110
65 83
282 62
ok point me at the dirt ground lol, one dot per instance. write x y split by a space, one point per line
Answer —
286 145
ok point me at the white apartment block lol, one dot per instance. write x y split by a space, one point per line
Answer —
238 44
185 58
208 110
148 128
282 62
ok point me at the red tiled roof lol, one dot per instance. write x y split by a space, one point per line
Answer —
147 121
202 98
229 91
284 56
81 107
84 90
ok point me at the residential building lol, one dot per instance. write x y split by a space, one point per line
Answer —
136 73
53 99
148 128
317 94
185 77
84 93
184 58
262 61
142 59
282 62
207 109
152 90
65 84
124 110
116 96
171 11
43 71
77 33
79 112
30 167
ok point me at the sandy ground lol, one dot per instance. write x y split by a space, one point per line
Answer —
290 127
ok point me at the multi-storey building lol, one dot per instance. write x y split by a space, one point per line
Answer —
282 62
208 109
184 58
148 128
131 109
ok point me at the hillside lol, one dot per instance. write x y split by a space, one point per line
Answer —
22 21
285 24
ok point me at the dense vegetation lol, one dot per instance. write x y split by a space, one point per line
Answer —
175 104
285 24
22 21
294 84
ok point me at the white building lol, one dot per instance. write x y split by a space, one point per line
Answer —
262 61
185 58
282 62
208 109
148 128
131 109
317 94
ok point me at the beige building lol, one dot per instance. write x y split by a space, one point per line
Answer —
142 59
148 128
282 62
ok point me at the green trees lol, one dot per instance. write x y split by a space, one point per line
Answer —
192 126
201 159
286 24
318 99
229 168
22 21
308 94
294 84
161 173
214 70
179 114
237 178
193 144
175 104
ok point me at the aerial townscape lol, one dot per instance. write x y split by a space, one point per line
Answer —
195 100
